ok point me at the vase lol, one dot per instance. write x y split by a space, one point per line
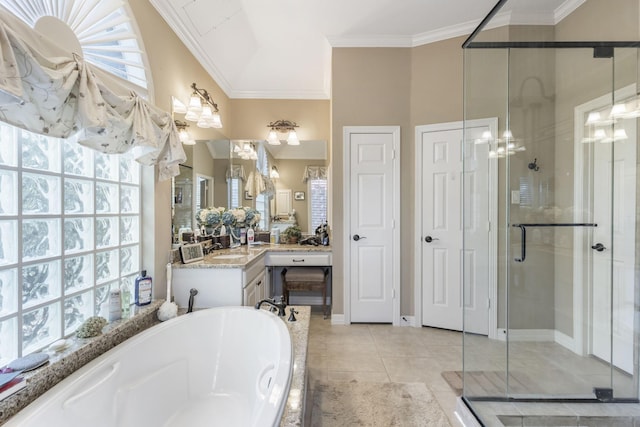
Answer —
209 230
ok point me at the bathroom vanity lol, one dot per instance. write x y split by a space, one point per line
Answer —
240 276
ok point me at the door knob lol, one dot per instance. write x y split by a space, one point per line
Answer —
357 237
430 239
598 247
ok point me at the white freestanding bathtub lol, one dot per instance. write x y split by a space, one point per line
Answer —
226 366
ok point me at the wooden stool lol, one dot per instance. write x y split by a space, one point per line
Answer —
305 279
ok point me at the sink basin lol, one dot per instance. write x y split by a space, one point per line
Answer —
229 256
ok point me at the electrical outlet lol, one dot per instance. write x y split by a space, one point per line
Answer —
515 197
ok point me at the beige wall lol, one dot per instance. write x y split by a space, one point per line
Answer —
371 86
173 69
251 116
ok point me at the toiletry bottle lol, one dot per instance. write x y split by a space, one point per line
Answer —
243 236
115 307
276 232
250 236
143 289
125 298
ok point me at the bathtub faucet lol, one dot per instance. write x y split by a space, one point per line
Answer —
192 293
279 306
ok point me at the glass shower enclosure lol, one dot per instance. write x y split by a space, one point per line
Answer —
561 80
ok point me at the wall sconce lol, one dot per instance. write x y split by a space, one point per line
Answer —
283 126
274 172
185 137
201 109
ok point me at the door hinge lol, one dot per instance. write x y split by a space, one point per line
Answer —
393 223
488 303
489 226
393 293
393 154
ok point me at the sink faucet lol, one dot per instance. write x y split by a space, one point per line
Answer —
279 306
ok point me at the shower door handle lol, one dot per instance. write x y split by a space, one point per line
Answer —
598 247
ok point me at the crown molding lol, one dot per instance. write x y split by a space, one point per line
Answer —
566 8
173 19
463 29
370 41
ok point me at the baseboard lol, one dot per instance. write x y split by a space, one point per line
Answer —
539 335
528 335
337 319
566 341
407 321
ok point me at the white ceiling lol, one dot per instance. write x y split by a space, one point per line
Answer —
282 48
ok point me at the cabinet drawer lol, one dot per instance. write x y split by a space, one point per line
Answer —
299 259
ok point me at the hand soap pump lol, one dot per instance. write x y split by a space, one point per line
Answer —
143 289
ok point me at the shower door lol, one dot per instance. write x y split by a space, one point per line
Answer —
566 155
571 224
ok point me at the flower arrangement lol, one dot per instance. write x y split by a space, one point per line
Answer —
210 217
216 217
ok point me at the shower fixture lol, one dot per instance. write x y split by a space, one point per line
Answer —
534 165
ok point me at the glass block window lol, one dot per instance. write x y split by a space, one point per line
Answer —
69 231
317 202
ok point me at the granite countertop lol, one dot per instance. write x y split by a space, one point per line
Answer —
245 255
294 411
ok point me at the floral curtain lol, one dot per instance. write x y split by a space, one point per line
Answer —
46 90
314 172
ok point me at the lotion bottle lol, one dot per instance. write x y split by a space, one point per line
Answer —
115 308
251 236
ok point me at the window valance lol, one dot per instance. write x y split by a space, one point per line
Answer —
235 171
314 172
46 90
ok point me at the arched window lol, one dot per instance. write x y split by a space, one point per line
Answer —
70 217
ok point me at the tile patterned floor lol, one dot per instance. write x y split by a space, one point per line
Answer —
382 353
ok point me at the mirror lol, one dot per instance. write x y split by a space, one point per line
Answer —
203 182
181 202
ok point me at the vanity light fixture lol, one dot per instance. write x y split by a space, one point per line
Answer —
283 126
202 109
185 137
245 150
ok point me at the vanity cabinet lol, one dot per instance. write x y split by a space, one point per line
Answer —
255 290
242 285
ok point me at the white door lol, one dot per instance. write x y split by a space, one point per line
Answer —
614 182
372 222
442 226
